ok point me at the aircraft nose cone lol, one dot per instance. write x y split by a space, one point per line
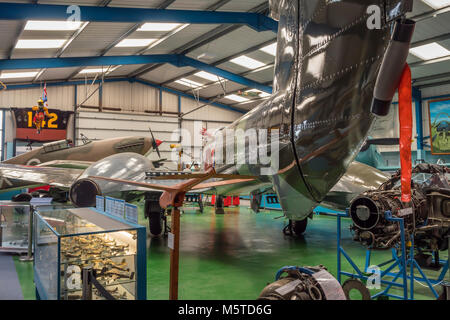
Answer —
158 142
148 143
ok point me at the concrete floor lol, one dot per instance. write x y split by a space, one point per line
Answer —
233 256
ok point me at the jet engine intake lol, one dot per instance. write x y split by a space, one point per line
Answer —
83 193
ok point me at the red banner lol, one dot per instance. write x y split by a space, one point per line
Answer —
54 127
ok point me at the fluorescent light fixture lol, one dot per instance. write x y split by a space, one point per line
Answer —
208 76
188 83
247 62
53 25
150 26
98 70
236 98
40 44
430 51
437 4
135 42
12 75
262 94
270 49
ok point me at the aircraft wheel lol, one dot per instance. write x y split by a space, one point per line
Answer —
219 205
255 202
155 224
299 227
154 214
200 204
23 197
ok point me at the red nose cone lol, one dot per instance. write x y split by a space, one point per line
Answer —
158 142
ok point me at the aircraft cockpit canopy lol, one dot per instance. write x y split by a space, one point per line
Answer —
57 145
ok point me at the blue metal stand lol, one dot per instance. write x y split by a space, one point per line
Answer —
402 261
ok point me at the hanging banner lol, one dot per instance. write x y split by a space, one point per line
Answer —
53 127
439 115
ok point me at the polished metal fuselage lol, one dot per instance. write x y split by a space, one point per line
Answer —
326 66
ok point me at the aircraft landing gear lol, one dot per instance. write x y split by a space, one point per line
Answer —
295 227
218 206
155 215
255 202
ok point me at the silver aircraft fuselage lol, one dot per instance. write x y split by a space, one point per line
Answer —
327 64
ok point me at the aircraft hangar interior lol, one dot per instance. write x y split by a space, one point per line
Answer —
253 150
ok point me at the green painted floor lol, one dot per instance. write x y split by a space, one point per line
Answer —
233 256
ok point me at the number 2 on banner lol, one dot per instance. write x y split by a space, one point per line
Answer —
53 118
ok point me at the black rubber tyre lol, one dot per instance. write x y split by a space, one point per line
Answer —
255 202
219 205
299 227
23 197
155 224
200 204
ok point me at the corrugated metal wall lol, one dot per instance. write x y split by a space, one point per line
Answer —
59 97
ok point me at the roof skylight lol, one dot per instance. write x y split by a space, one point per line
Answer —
430 51
14 75
236 98
437 4
207 76
135 42
152 26
188 83
270 49
53 25
40 43
247 62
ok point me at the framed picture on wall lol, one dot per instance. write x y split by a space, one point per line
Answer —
439 115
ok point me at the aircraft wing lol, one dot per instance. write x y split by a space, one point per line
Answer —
358 178
70 164
13 175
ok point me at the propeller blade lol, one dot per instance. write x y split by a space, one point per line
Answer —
155 143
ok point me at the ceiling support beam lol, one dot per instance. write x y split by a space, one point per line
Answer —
131 80
427 62
433 77
186 95
226 59
430 14
204 39
174 59
442 37
26 11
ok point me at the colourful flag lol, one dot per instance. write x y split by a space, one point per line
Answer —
44 96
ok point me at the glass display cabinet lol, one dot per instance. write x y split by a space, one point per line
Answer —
14 226
66 241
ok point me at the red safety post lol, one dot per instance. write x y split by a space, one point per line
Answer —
405 117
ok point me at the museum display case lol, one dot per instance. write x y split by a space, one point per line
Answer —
68 241
14 226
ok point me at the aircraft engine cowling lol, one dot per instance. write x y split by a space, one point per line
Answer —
126 166
303 283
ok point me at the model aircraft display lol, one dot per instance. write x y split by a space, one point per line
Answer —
333 75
